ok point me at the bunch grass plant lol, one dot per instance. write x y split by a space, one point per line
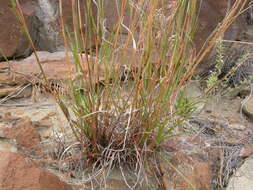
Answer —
125 109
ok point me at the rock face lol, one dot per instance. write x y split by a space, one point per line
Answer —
13 42
54 65
18 172
207 22
185 170
43 22
242 179
211 14
50 32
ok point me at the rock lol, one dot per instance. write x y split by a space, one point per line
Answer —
24 133
43 127
194 93
183 143
55 66
50 31
115 184
216 13
68 20
43 22
237 126
112 16
56 69
19 172
8 117
7 145
217 10
45 56
244 92
247 107
43 124
16 92
13 42
183 172
246 151
207 23
242 179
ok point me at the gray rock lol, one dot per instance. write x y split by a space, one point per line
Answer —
243 178
247 107
193 92
7 145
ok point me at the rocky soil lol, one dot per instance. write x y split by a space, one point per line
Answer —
37 147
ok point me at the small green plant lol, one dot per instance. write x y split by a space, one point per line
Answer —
185 106
219 63
229 72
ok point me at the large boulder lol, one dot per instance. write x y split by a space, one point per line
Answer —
13 42
18 172
43 22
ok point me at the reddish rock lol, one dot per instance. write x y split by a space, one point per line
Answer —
43 22
211 14
68 19
21 173
113 14
13 42
216 12
15 91
181 143
183 172
24 133
207 22
54 65
8 117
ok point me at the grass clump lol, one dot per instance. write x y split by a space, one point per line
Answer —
127 108
126 94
